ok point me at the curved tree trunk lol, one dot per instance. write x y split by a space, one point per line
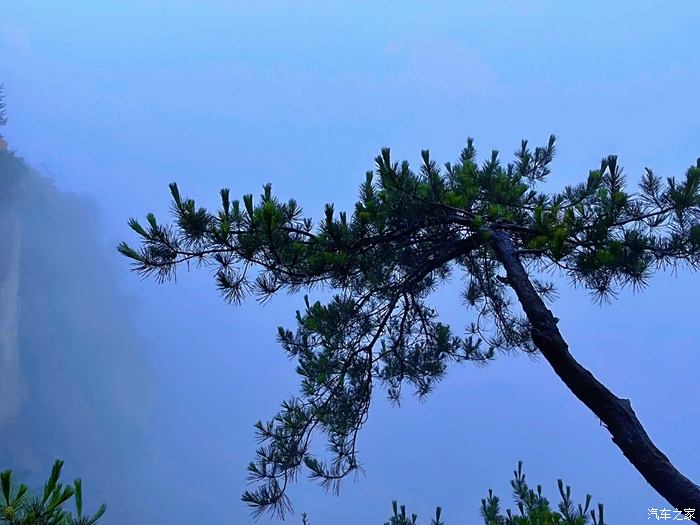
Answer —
616 413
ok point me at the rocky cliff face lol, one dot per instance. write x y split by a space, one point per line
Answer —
12 174
73 382
9 316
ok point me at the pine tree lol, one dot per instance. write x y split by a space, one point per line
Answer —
533 508
19 507
487 224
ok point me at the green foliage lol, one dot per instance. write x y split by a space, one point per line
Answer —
399 516
409 232
532 508
19 507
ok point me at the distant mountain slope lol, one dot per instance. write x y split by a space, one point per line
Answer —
73 383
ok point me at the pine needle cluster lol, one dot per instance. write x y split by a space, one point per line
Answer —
19 507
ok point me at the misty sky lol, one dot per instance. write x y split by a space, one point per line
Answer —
115 99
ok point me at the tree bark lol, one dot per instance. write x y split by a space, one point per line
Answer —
616 413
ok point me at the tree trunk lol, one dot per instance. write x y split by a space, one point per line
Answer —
616 413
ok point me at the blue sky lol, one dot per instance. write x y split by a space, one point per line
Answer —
115 99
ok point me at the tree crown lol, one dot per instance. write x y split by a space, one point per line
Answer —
410 231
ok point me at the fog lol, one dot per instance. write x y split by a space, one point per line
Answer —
149 392
75 384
